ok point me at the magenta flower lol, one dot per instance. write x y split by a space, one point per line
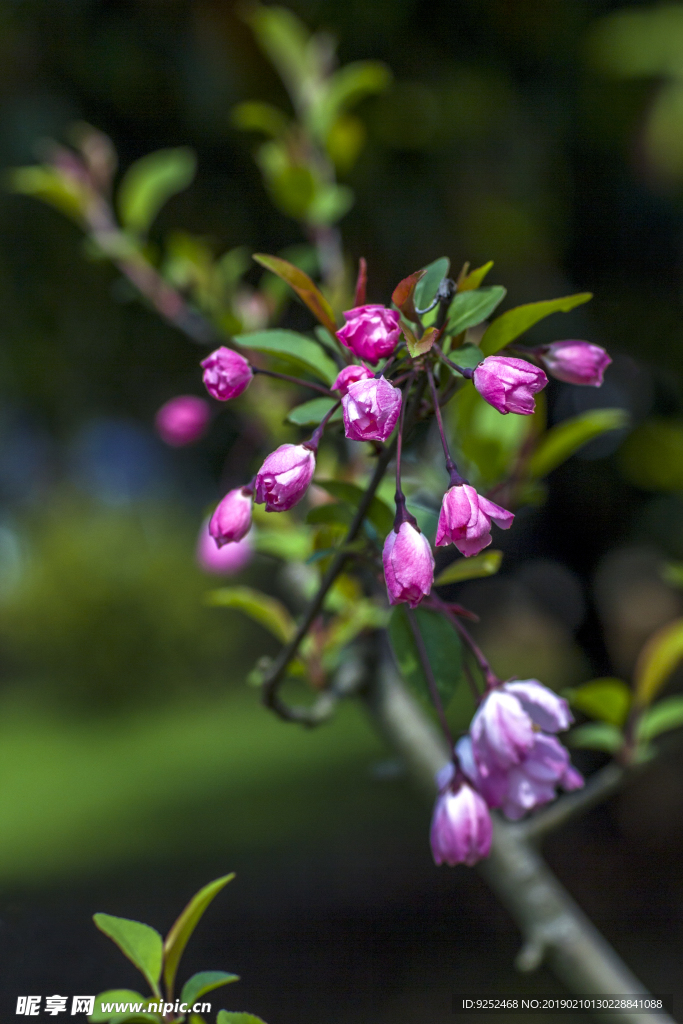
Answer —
493 786
465 520
575 362
222 561
545 709
533 782
502 732
182 420
370 409
226 373
232 519
408 565
349 375
461 828
505 724
284 477
371 332
509 384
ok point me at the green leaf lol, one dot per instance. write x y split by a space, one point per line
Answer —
419 346
206 981
255 116
665 715
290 545
309 414
141 944
652 456
178 936
330 514
607 699
426 287
379 513
597 736
308 292
285 40
150 182
518 320
230 1017
469 308
295 348
267 611
120 995
443 649
474 278
485 564
53 187
347 87
329 204
562 440
467 356
657 660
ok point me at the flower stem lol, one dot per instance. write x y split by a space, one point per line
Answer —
314 439
295 380
429 675
451 467
464 371
402 513
490 676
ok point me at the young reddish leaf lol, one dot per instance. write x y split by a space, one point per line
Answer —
418 346
177 938
361 283
402 296
301 283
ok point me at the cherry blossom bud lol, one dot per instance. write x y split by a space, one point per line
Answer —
502 732
408 565
461 829
370 409
371 332
182 420
284 477
222 561
232 519
533 782
226 373
545 709
349 375
509 384
575 362
465 520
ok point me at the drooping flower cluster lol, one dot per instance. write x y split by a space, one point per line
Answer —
510 758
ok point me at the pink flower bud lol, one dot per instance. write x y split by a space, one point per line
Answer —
502 732
232 519
465 520
575 362
182 420
226 373
284 477
371 332
349 375
370 409
533 782
509 384
408 565
222 561
545 709
461 829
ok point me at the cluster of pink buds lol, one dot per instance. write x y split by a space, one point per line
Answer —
510 759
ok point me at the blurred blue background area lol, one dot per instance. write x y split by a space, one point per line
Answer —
135 762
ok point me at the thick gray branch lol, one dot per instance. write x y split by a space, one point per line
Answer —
554 927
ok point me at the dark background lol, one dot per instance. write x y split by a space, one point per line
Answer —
130 774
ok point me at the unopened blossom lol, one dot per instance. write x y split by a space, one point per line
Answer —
370 409
461 828
182 420
509 384
508 719
226 373
349 375
575 362
232 519
534 780
284 477
371 332
222 561
465 520
408 565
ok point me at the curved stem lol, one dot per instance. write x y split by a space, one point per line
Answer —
451 467
295 380
429 676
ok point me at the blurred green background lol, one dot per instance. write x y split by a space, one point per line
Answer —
134 762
